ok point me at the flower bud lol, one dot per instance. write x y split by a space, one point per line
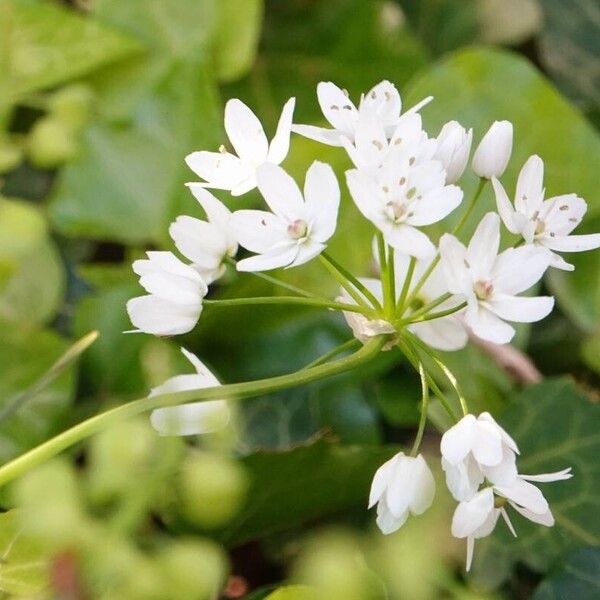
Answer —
71 105
454 147
51 143
494 150
10 155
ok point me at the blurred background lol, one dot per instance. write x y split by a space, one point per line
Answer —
100 101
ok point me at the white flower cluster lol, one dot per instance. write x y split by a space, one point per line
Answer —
479 459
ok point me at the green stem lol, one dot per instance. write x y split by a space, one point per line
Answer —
246 389
427 308
349 345
424 406
349 282
322 302
406 285
439 315
389 301
472 204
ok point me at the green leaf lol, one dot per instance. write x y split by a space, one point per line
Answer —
24 568
570 48
294 592
236 37
33 278
591 352
467 86
50 44
25 355
136 172
292 487
555 427
578 578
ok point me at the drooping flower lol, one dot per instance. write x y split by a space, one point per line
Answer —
195 417
453 149
298 228
546 223
382 102
477 516
403 485
205 243
475 449
402 197
490 282
493 153
175 292
226 171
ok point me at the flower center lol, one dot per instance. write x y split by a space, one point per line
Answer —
395 211
540 227
483 289
298 229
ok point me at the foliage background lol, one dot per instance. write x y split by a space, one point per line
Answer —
99 103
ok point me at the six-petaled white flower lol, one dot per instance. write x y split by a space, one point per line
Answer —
493 153
403 485
195 417
298 228
453 149
382 102
226 171
205 243
546 223
175 292
402 197
491 282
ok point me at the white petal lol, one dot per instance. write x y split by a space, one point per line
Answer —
409 240
280 192
280 144
445 334
561 214
216 212
201 368
524 494
435 205
220 169
370 142
331 137
505 472
549 477
487 444
573 243
199 241
424 487
457 442
245 132
191 419
322 197
464 478
508 441
383 101
546 518
453 256
517 269
508 521
486 325
366 195
244 185
472 514
401 486
504 206
258 230
530 186
386 521
483 247
336 106
279 257
173 288
558 262
307 252
522 309
160 317
382 478
470 551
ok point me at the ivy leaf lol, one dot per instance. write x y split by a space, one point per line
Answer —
578 578
23 566
555 426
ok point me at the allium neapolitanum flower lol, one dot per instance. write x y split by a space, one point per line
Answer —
546 223
403 485
297 229
493 153
175 292
381 102
453 149
226 171
205 243
195 417
491 282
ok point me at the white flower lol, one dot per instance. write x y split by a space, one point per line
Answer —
453 149
446 333
371 145
297 229
205 243
381 102
175 289
476 517
490 282
402 197
474 449
193 418
403 485
542 222
226 171
493 153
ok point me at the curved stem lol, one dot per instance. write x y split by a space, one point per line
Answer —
406 285
349 282
247 389
436 315
349 345
283 284
388 300
424 406
321 302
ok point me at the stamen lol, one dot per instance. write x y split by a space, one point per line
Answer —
483 289
564 207
298 229
334 107
377 144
